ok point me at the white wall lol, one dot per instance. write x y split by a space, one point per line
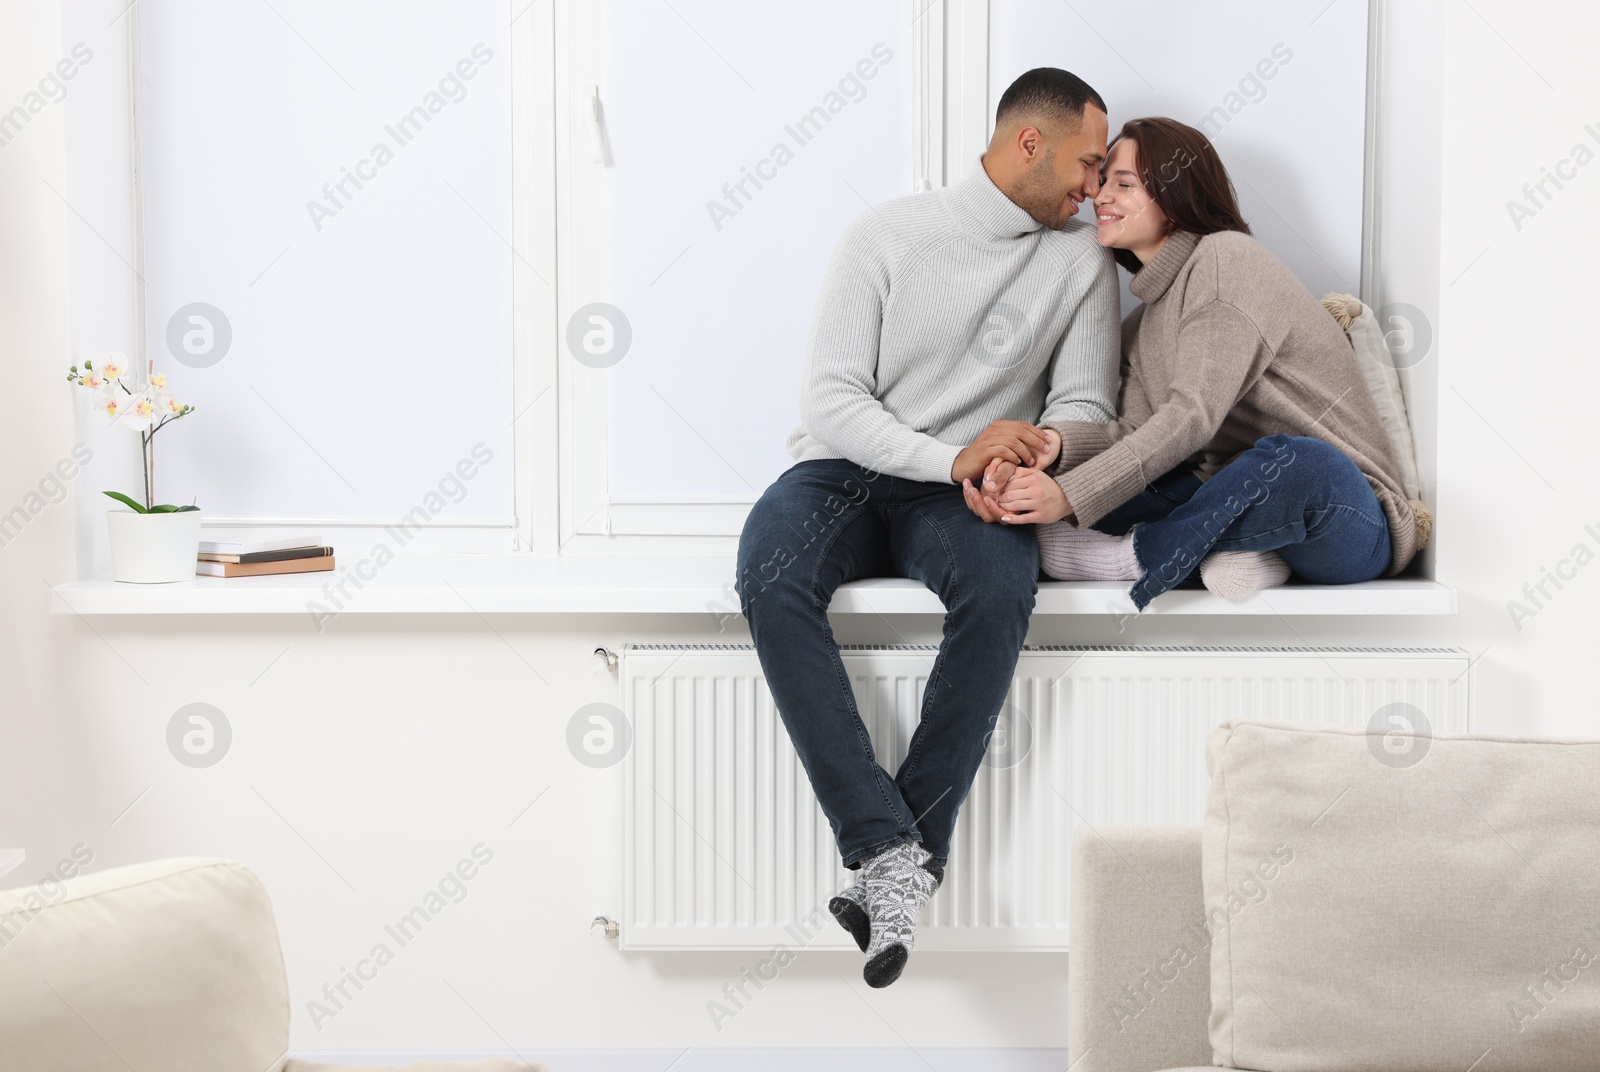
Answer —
394 746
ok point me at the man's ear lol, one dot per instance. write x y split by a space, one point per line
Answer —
1029 141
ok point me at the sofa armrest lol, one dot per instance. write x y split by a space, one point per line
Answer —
171 965
1138 965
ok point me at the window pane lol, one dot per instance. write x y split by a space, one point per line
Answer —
741 139
1279 87
328 186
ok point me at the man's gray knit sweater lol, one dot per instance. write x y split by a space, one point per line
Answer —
945 311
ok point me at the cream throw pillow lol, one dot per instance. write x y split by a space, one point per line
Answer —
1389 903
168 966
1377 369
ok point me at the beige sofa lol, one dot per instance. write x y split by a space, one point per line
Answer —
168 966
1356 901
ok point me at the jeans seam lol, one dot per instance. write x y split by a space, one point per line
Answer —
1356 511
1256 536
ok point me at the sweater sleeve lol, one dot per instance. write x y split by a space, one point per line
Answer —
1082 440
838 403
1219 354
1083 369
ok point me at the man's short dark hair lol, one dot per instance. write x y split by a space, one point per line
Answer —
1049 92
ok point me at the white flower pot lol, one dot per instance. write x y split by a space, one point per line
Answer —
154 548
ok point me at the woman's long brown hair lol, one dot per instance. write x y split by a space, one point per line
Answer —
1184 175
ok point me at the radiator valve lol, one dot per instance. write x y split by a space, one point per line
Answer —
603 927
606 657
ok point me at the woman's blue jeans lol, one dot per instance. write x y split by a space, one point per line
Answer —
829 521
1295 495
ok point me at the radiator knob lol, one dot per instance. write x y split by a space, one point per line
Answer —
603 927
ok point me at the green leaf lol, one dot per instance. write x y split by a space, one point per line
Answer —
165 508
121 498
186 509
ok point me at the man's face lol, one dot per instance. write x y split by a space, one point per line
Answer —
1067 171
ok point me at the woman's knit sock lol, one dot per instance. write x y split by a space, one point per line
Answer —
1241 574
1070 553
850 909
899 882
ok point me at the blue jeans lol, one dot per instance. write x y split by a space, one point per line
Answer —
1294 495
825 522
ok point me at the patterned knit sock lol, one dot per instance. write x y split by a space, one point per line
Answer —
850 909
1241 574
899 883
1070 553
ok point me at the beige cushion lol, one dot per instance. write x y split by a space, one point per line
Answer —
170 966
1377 368
1402 904
1138 991
1383 381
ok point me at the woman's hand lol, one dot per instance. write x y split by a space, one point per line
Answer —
1031 497
999 471
1051 452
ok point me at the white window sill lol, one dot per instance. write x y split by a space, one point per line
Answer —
528 584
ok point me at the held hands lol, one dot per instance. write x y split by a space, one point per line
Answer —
1013 442
1030 497
1016 494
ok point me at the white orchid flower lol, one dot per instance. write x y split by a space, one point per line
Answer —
138 411
111 399
112 366
159 381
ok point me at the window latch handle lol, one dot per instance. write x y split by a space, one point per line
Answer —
589 107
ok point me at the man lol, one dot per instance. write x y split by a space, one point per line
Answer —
950 322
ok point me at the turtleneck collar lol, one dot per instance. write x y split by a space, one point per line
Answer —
1154 278
983 211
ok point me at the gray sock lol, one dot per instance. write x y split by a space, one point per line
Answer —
899 882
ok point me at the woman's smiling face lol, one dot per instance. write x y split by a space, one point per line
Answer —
1128 217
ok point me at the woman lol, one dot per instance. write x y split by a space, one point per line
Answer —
1247 442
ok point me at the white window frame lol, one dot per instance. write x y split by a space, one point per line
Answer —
591 520
533 526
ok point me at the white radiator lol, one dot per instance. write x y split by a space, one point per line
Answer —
726 848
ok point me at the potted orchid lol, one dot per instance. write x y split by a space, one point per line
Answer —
150 542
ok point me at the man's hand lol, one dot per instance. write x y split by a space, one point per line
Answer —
998 472
978 503
1017 442
1031 497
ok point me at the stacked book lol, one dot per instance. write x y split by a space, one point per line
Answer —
260 558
